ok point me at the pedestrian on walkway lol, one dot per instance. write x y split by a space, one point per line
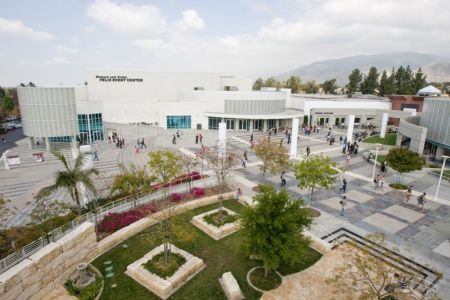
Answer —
283 180
196 139
343 203
382 183
347 160
251 138
245 155
308 151
344 185
143 144
243 162
178 133
376 181
289 138
421 201
238 194
174 139
340 140
408 194
95 156
200 137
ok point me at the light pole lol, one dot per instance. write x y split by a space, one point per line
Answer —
375 161
444 157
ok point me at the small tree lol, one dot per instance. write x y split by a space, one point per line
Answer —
404 161
8 104
71 177
274 156
315 172
165 166
365 272
188 163
222 165
132 180
272 229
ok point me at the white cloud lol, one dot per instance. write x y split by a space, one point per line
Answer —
126 17
91 29
66 50
190 21
18 28
153 44
58 60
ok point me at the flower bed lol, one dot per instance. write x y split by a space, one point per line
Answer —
116 221
195 193
158 266
178 180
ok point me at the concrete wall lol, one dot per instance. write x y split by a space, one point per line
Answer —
435 117
409 128
36 276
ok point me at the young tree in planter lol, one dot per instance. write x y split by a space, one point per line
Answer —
189 162
404 161
315 172
70 177
165 166
272 229
222 166
274 157
132 181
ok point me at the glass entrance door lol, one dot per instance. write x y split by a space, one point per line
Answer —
244 124
84 137
258 125
97 136
230 124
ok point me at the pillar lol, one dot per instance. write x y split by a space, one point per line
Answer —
47 144
277 123
74 142
222 138
236 124
264 125
294 137
350 125
30 142
250 125
383 126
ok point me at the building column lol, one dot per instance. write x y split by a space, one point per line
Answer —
30 142
294 137
350 125
264 125
222 138
47 144
277 123
74 142
236 124
398 142
250 125
384 121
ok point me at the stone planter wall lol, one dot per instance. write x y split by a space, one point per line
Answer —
317 243
36 276
215 232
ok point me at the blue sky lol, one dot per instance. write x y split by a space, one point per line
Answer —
57 41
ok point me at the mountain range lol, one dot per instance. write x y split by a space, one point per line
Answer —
437 68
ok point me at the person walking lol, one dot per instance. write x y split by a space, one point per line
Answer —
421 201
347 160
289 138
283 180
95 156
143 144
200 138
340 140
408 194
174 139
196 139
344 185
376 181
243 162
382 183
251 138
308 151
343 203
245 155
238 193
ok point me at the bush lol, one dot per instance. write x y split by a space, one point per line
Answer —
198 192
178 180
89 292
176 197
398 186
158 266
115 221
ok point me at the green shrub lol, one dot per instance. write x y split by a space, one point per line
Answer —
398 186
87 293
220 218
158 266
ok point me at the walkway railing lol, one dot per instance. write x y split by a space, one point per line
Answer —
119 205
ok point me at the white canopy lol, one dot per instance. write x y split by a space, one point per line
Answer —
429 90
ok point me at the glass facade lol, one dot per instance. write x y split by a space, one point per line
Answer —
91 128
60 139
213 122
179 122
244 124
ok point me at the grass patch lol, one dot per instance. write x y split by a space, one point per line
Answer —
381 158
313 213
398 186
157 265
220 218
219 256
270 282
87 293
446 174
389 139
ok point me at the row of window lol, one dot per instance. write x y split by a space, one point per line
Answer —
179 122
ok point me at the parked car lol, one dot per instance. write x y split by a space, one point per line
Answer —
18 125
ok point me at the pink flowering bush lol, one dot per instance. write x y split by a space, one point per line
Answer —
198 192
115 221
178 180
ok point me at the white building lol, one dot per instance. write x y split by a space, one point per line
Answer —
175 100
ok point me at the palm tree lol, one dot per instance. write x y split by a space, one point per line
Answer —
69 178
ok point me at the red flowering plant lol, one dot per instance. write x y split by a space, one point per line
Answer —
115 221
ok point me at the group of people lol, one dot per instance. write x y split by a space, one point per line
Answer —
379 182
120 142
420 199
140 144
199 138
307 129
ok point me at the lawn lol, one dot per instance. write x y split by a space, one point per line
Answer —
220 257
390 139
381 158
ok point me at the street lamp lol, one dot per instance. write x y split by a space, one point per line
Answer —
444 157
375 161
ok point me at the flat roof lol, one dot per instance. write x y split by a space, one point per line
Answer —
329 97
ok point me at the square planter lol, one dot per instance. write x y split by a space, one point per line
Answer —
213 231
165 287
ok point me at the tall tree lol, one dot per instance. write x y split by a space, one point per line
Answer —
370 82
404 161
132 180
2 92
259 83
329 86
382 84
400 81
408 85
8 104
419 81
293 83
272 229
71 177
274 157
354 81
390 88
272 82
311 87
315 172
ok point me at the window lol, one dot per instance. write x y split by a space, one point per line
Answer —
91 128
271 123
213 123
230 124
179 122
244 124
60 139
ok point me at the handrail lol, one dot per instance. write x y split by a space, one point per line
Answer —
57 233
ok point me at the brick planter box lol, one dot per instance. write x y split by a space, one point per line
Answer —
165 287
215 232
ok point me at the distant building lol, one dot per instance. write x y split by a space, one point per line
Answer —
405 102
429 91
